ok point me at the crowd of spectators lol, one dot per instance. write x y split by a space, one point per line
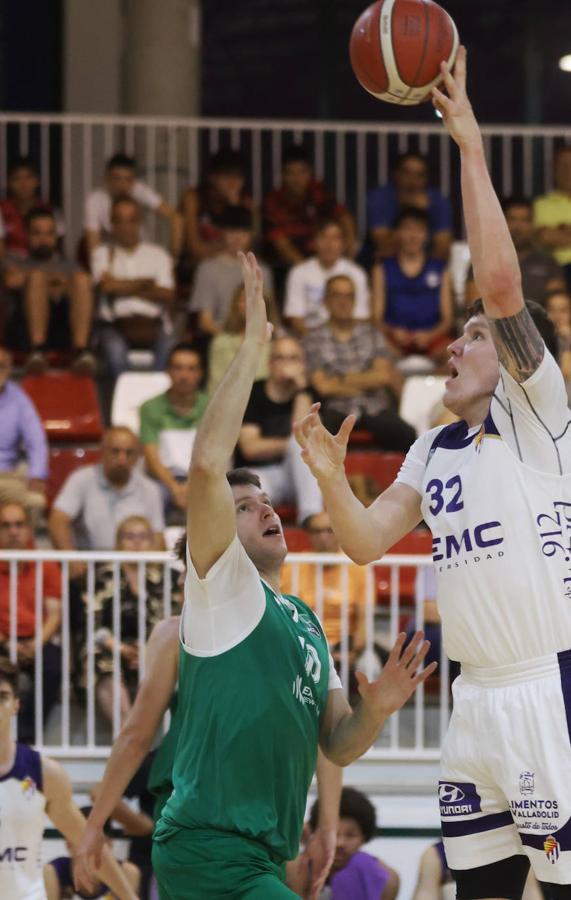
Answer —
353 316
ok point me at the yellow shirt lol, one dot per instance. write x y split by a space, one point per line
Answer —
306 589
550 211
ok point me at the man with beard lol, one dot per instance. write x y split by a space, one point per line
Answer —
53 298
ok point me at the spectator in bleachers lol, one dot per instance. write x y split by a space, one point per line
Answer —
59 872
412 294
217 278
22 433
435 880
52 299
96 498
558 307
552 214
169 422
408 188
121 181
23 196
134 535
356 874
203 206
351 370
136 280
540 273
16 533
266 445
293 211
305 286
224 345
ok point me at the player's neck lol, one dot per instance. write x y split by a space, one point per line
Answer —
476 413
7 749
273 578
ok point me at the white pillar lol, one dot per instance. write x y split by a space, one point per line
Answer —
161 63
92 56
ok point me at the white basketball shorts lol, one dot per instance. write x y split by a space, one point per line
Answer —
505 787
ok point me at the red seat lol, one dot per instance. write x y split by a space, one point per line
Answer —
67 404
360 438
287 513
63 461
418 541
297 539
382 467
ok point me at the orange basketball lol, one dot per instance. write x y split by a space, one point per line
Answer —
397 46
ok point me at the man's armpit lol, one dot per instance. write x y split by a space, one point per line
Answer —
519 344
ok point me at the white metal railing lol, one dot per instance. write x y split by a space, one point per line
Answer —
76 728
171 154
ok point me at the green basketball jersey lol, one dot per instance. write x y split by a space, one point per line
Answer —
248 722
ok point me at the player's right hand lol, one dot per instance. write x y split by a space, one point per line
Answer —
88 858
323 452
454 105
257 327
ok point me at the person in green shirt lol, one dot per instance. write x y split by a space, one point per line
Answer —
169 422
257 690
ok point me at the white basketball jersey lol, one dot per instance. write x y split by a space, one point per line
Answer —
497 499
22 819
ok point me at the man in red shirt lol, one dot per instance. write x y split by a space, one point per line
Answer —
293 211
16 534
23 187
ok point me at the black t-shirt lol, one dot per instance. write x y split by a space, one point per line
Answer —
273 420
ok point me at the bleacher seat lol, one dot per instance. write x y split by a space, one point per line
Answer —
67 404
359 438
131 390
420 395
381 467
417 541
62 462
287 513
297 539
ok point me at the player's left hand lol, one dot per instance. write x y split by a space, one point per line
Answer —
400 677
257 327
318 856
455 109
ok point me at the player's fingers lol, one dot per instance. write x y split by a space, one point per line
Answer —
448 79
342 436
460 66
421 677
362 680
417 661
440 101
395 654
411 649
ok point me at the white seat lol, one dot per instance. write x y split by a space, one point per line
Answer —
419 397
132 389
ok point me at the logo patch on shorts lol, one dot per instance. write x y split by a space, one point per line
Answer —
526 783
458 798
552 848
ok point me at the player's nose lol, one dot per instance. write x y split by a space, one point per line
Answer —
456 348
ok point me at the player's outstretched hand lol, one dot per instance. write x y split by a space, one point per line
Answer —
319 854
400 677
257 326
323 452
454 106
87 858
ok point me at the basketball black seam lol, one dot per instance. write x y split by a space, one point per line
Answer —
411 87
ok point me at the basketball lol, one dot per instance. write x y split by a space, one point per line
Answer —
397 46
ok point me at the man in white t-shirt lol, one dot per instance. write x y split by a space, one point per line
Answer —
136 281
495 490
305 287
121 181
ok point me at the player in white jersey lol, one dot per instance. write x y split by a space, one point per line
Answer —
31 787
495 489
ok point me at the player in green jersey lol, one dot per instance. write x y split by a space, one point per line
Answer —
257 691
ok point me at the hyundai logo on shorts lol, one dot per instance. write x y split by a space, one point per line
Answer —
450 793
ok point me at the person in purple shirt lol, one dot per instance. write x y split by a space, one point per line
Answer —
356 875
22 435
409 187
